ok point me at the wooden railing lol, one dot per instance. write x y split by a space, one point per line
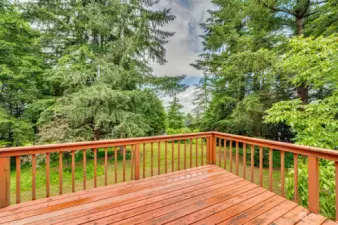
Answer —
174 153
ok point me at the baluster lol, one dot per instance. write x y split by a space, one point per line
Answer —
202 152
152 158
105 166
282 170
270 168
132 162
47 175
34 177
73 171
225 154
237 158
124 163
166 157
185 154
179 155
137 161
295 184
60 173
196 155
219 152
95 167
244 160
159 158
336 176
18 179
172 156
261 165
190 153
313 185
230 155
84 169
252 164
5 181
144 160
115 163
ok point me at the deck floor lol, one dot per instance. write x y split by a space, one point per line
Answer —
202 195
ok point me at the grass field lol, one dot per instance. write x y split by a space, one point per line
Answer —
194 157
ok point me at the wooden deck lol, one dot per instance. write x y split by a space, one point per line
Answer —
202 195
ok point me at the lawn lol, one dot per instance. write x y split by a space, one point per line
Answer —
26 182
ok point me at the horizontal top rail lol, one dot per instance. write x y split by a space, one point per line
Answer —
287 147
283 146
39 149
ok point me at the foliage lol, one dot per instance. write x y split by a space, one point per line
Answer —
175 116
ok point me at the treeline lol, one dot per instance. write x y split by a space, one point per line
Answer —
79 70
271 71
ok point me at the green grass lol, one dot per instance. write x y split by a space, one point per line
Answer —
26 173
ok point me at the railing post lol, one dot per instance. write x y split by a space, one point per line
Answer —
137 161
4 182
212 149
313 184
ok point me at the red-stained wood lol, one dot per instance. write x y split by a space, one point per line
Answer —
336 176
144 160
295 178
261 166
219 152
60 173
4 182
230 155
132 162
185 154
115 164
105 166
124 163
252 163
84 169
152 159
47 175
244 160
95 168
137 161
166 158
313 186
312 219
237 159
225 154
190 141
202 152
159 158
33 177
247 213
73 171
282 172
292 217
179 155
18 179
196 153
270 169
172 157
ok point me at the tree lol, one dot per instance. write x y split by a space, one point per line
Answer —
98 52
20 76
175 116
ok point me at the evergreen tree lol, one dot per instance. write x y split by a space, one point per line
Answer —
175 116
99 52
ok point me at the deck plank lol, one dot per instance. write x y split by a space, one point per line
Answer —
201 195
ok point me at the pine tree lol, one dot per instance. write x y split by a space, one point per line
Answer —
175 116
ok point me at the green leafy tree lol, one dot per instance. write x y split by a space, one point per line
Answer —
20 76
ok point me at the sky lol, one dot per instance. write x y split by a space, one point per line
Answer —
185 47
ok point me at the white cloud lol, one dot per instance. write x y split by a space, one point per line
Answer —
185 47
